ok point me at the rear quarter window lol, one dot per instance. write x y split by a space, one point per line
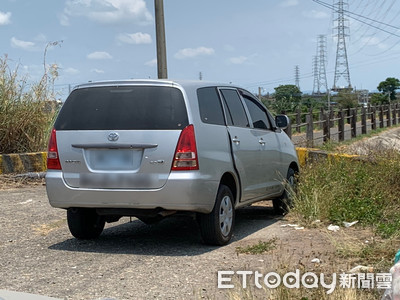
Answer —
123 108
210 106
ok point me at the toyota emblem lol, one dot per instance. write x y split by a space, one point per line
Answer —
113 136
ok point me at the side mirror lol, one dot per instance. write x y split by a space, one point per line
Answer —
282 121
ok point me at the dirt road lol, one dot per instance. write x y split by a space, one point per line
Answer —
387 140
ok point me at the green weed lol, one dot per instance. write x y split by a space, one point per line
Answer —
259 248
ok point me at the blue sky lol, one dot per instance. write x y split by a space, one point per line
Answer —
250 43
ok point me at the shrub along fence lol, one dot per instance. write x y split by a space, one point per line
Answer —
340 124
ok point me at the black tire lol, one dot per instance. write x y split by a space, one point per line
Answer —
217 227
283 204
85 223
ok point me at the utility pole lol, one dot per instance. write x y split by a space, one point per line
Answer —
160 37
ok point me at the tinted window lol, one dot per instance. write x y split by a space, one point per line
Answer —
123 108
235 108
210 106
258 114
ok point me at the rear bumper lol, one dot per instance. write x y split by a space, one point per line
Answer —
184 191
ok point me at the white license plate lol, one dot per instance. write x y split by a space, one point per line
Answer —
114 159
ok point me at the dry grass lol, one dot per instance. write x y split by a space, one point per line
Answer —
24 120
10 181
282 264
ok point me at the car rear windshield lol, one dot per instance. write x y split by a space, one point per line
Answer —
123 108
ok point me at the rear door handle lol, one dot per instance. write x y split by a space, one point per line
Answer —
236 140
261 141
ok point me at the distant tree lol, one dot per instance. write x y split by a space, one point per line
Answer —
309 102
347 99
390 85
378 99
287 98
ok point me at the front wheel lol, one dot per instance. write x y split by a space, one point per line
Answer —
285 202
217 227
85 223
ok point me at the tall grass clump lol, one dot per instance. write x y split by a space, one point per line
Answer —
25 114
338 190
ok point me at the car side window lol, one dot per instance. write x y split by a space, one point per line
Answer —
210 106
234 108
257 114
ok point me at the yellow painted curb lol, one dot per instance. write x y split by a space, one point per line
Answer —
23 162
306 155
302 154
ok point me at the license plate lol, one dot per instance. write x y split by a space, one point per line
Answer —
114 159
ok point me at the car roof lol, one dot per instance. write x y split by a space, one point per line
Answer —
186 84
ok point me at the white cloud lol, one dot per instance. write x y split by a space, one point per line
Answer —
107 11
134 38
289 3
238 60
97 71
194 52
99 55
315 14
151 63
25 45
5 18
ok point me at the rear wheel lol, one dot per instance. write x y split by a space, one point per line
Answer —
217 227
85 223
285 202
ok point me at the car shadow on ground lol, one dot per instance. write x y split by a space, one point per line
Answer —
174 236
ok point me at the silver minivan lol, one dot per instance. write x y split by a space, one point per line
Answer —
153 148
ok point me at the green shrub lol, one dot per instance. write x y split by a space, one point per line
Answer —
25 117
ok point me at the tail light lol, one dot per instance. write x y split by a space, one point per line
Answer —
53 161
185 157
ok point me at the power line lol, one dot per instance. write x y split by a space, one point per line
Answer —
349 14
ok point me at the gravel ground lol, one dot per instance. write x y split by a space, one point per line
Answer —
130 260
